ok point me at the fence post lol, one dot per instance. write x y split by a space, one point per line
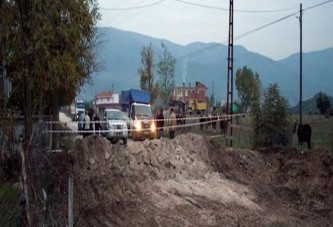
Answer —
50 134
70 192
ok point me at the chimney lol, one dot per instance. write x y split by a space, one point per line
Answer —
189 84
183 84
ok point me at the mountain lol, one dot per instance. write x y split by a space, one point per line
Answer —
118 59
309 105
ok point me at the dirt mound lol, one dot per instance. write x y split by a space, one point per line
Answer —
310 172
190 181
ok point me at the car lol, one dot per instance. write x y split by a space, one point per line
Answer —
115 126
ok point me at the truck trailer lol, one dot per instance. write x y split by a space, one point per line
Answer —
136 104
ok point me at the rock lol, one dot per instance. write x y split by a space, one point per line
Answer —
92 161
107 155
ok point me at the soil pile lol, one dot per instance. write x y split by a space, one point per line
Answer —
190 181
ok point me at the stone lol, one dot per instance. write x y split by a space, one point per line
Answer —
92 161
107 155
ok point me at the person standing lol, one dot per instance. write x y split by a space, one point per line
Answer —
86 124
160 123
172 124
97 124
81 123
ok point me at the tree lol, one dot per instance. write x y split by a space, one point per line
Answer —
146 71
47 54
272 119
212 100
49 51
166 71
323 103
248 86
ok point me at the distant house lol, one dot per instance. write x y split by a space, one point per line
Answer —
198 92
106 100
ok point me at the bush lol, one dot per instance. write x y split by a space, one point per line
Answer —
272 125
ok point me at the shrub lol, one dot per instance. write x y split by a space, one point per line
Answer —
272 124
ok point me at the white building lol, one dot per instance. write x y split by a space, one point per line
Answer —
106 100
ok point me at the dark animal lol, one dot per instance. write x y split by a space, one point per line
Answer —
201 121
304 134
214 119
223 124
208 118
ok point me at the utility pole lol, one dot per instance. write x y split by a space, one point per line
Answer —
230 83
300 66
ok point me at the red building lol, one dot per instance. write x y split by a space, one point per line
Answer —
187 93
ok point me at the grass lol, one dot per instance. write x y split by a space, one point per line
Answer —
322 130
9 205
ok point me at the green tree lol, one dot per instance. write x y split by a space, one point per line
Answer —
211 100
147 70
273 123
48 51
166 71
323 103
248 86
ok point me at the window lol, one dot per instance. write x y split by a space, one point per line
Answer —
179 92
186 93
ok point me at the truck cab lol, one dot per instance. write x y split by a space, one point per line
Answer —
142 121
79 109
136 103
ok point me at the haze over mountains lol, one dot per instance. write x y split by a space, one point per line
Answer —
119 59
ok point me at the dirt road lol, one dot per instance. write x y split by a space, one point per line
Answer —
190 181
68 121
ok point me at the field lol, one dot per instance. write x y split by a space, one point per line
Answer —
322 130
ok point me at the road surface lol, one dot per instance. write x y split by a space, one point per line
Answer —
67 121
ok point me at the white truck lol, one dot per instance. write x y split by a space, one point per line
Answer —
115 126
78 110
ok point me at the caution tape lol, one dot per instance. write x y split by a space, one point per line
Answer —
135 130
152 119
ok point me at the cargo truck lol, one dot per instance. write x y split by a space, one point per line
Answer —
78 109
196 106
136 104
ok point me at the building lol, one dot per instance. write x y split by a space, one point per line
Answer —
187 93
106 99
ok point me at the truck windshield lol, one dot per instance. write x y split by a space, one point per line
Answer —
80 105
114 115
142 110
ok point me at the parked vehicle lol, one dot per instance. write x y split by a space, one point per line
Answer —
194 106
78 110
116 126
136 103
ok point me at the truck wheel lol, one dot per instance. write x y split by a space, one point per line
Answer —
125 141
113 141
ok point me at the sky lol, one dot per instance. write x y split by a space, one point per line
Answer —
184 23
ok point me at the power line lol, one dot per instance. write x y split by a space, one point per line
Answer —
216 45
133 7
263 26
236 10
316 5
